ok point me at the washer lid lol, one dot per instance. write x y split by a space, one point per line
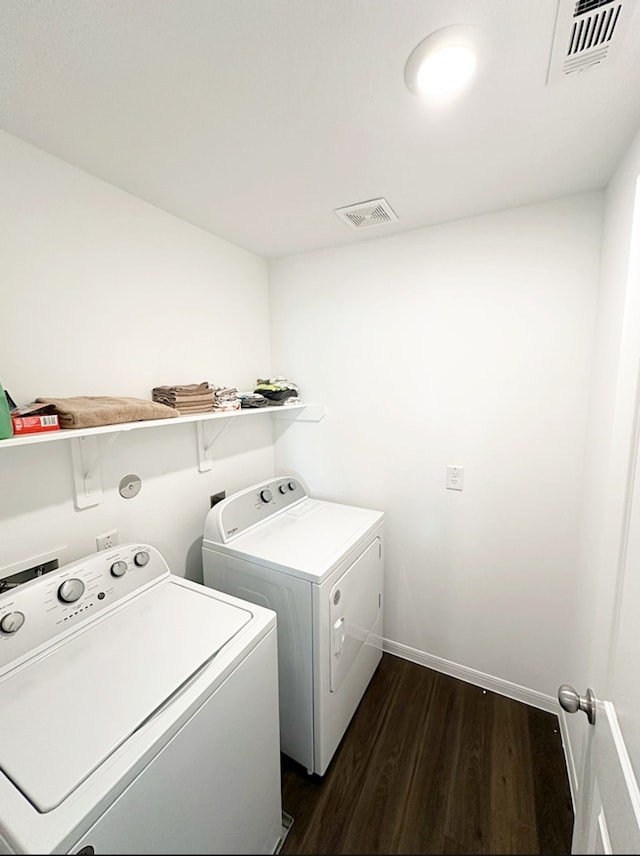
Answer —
63 713
307 540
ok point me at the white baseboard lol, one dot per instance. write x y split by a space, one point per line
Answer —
471 676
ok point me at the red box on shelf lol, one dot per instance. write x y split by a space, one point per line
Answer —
34 418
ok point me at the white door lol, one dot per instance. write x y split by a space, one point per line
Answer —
608 808
608 805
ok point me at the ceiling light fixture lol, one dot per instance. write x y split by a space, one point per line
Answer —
443 63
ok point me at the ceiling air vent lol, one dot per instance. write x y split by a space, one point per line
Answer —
365 214
586 32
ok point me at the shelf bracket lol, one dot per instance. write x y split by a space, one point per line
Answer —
205 443
309 413
86 453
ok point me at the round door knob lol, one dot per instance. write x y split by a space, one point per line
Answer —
141 558
266 495
572 702
11 622
71 590
118 569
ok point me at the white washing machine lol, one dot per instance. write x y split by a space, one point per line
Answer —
138 713
319 565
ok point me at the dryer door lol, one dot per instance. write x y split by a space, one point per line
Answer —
355 607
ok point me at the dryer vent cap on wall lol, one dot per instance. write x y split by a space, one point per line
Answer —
586 34
374 212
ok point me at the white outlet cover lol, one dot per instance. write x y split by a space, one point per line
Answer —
455 477
108 540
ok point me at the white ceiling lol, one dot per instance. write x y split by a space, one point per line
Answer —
255 119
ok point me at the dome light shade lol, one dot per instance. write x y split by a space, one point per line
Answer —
445 71
443 63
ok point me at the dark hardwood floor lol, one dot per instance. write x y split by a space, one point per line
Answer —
431 764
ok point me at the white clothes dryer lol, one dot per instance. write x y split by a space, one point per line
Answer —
138 713
319 566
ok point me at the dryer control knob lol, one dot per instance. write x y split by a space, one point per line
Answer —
118 569
292 485
283 488
141 558
71 590
11 622
266 495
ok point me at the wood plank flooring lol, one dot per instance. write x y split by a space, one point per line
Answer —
431 764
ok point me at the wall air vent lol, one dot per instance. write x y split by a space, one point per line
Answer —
374 212
586 33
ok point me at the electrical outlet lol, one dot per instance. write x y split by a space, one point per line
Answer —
215 499
108 540
455 477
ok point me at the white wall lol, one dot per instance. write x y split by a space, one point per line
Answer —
103 294
468 343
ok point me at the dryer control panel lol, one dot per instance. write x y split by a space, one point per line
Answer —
34 613
247 508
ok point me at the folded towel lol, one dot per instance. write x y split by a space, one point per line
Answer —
225 393
184 389
227 405
277 383
176 400
253 399
276 394
186 399
86 411
187 409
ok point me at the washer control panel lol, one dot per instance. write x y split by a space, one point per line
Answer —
240 511
37 611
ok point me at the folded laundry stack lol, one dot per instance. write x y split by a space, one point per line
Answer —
253 399
226 398
187 398
278 390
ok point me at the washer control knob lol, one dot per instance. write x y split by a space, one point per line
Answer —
118 569
141 558
71 590
292 485
283 488
11 622
266 495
